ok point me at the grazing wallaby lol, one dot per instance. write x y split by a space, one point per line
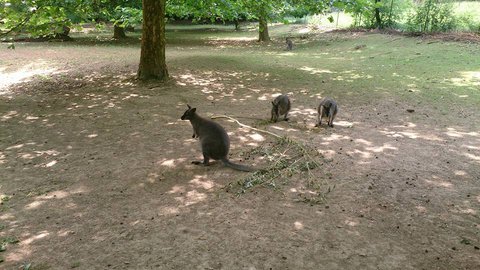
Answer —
289 43
280 106
327 107
213 138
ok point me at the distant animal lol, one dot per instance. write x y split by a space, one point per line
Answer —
280 106
213 139
289 43
327 108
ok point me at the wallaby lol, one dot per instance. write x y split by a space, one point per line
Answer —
280 106
328 108
289 43
213 139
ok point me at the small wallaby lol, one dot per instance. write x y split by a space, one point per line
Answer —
289 43
213 139
327 108
280 106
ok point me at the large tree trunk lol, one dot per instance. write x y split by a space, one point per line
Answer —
263 30
152 57
118 32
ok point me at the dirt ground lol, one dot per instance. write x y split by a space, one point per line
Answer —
96 173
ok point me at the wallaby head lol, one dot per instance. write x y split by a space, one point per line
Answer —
189 113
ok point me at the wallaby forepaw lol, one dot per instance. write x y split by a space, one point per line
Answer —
286 119
197 162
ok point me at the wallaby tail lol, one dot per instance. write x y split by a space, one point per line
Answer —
239 167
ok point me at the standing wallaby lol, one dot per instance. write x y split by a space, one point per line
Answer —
289 43
213 138
328 108
280 106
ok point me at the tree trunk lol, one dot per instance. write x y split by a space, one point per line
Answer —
377 16
64 35
118 32
152 57
237 25
263 30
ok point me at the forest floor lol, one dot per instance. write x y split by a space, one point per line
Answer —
96 173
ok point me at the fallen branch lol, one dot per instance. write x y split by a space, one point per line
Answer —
246 126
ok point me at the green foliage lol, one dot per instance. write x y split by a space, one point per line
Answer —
431 16
363 11
40 18
123 13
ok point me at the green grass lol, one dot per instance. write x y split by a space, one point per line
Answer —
388 65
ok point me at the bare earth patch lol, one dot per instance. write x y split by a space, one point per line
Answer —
96 173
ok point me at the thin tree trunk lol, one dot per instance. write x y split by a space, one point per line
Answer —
152 57
377 16
237 25
263 30
118 32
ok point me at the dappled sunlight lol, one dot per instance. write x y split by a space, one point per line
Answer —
381 149
315 71
9 115
439 182
460 173
467 78
201 181
298 225
362 154
54 195
40 235
452 132
25 74
257 137
171 163
411 135
469 211
472 157
191 197
335 137
351 223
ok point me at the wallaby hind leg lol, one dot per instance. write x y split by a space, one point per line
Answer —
319 117
332 113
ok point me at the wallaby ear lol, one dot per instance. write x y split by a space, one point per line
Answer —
189 106
273 103
193 110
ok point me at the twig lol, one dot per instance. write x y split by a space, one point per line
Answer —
246 126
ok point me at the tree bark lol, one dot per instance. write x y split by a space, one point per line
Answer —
377 16
237 25
263 30
118 32
152 57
